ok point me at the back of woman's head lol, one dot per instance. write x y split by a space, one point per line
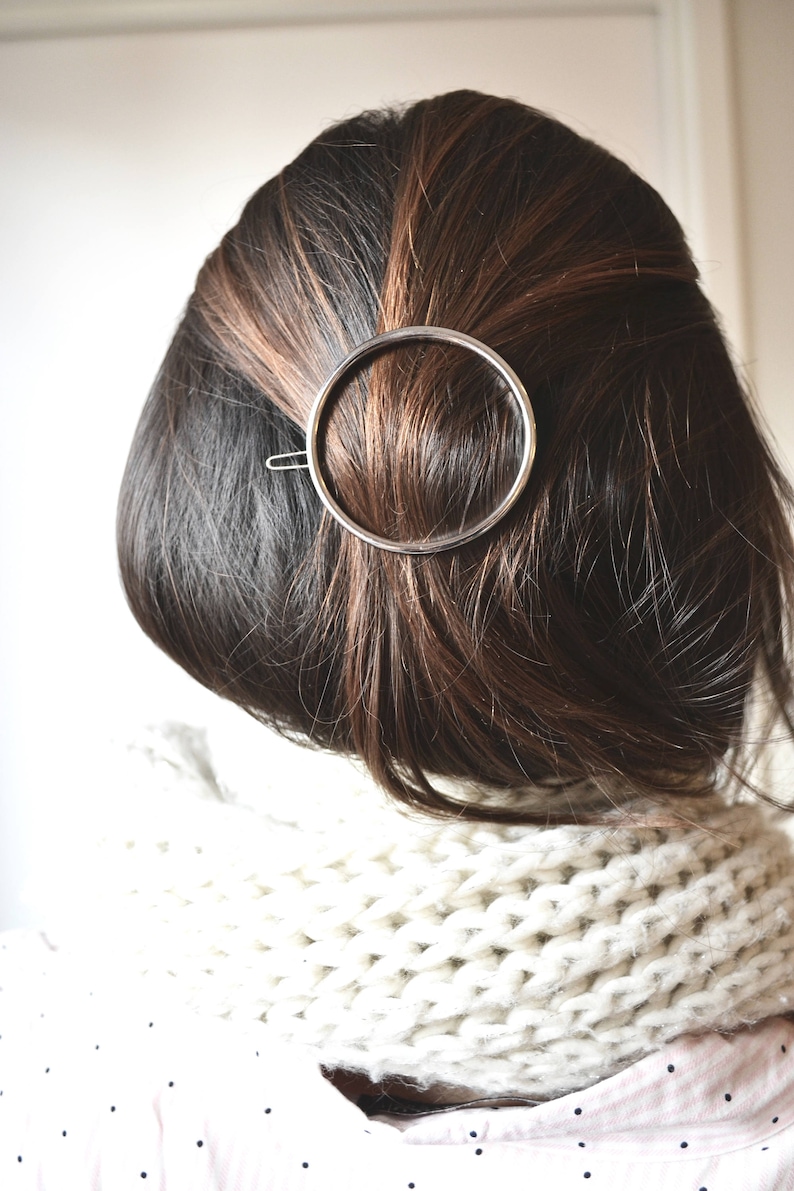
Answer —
611 626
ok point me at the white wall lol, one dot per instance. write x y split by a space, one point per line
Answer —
125 158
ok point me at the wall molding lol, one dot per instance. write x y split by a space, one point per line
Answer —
701 138
46 18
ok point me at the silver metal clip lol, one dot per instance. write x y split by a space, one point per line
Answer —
271 464
312 454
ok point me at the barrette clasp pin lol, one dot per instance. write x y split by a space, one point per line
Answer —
271 465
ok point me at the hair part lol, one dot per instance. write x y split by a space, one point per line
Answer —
611 628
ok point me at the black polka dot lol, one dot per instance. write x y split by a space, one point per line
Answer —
143 1174
684 1145
478 1151
199 1144
97 1046
151 1023
775 1120
783 1049
112 1108
577 1112
472 1133
46 1070
727 1096
19 1157
267 1110
63 1133
581 1144
670 1067
170 1083
764 1147
305 1165
411 1186
587 1174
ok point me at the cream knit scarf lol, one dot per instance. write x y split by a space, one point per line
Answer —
499 959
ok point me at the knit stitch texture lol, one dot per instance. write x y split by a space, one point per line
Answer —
498 959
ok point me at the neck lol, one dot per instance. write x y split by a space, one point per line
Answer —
396 1095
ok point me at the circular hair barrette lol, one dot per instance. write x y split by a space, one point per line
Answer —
312 453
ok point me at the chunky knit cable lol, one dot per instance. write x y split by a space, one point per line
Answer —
498 959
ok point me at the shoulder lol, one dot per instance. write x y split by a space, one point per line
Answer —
106 1083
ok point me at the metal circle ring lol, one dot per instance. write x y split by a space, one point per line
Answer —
385 340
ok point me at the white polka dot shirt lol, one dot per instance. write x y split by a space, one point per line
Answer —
105 1086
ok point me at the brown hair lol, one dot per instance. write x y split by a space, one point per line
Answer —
612 625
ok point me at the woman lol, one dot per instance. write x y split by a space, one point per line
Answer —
527 560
